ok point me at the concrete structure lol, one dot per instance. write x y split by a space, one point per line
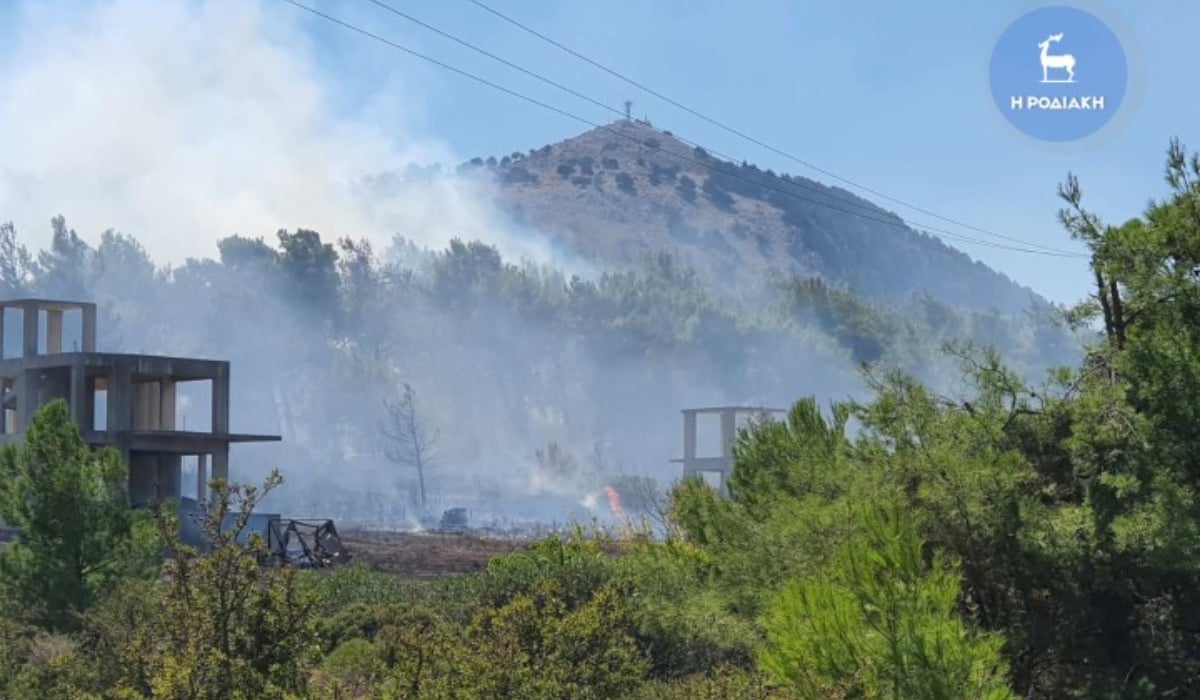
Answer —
120 400
719 466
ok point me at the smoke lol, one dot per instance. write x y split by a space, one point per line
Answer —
181 121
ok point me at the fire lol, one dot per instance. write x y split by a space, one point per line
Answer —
614 502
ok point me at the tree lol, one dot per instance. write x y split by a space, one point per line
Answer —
414 445
16 264
309 267
880 623
71 507
62 271
223 626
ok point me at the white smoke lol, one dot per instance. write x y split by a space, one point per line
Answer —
181 122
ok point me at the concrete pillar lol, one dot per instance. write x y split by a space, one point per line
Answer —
170 477
220 401
689 442
29 331
25 388
3 355
166 404
79 400
120 398
220 464
8 386
146 406
202 478
154 477
91 385
89 328
728 435
54 332
143 478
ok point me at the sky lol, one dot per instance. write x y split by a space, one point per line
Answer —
182 121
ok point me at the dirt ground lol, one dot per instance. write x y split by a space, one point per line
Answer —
426 555
417 554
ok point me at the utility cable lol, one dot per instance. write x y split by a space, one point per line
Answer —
816 188
896 221
743 135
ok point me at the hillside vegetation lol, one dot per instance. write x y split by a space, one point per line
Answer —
626 190
507 359
1026 540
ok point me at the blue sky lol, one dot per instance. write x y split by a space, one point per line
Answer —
890 95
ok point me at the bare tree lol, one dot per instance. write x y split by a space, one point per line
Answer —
413 445
643 496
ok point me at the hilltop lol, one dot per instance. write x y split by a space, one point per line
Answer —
619 192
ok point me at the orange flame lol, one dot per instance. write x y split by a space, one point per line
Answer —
614 501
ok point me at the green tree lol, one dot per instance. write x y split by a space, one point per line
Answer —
71 507
225 627
881 623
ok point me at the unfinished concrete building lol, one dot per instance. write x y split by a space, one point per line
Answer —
121 400
716 465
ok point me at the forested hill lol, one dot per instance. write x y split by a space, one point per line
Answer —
622 191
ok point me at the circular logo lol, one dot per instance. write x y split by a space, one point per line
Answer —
1058 74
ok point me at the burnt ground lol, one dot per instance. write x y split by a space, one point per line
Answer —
426 554
412 554
419 555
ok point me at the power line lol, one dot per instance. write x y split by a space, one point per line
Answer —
850 200
897 221
743 135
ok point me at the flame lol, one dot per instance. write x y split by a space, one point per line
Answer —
614 501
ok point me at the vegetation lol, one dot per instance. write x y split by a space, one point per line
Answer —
78 534
1009 541
507 356
749 219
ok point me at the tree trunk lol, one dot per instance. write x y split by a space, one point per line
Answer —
1118 313
1102 295
421 484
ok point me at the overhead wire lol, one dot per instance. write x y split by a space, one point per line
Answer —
854 202
741 134
893 221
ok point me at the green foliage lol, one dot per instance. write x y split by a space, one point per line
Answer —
536 646
1007 540
719 683
684 625
224 627
575 566
71 508
880 623
353 668
852 320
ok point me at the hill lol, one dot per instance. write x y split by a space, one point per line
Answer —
620 192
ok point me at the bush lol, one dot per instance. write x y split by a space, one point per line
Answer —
686 188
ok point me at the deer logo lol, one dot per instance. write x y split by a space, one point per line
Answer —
1059 61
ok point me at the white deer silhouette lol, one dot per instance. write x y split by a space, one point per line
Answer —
1049 61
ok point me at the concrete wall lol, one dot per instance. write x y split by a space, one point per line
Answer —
153 477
